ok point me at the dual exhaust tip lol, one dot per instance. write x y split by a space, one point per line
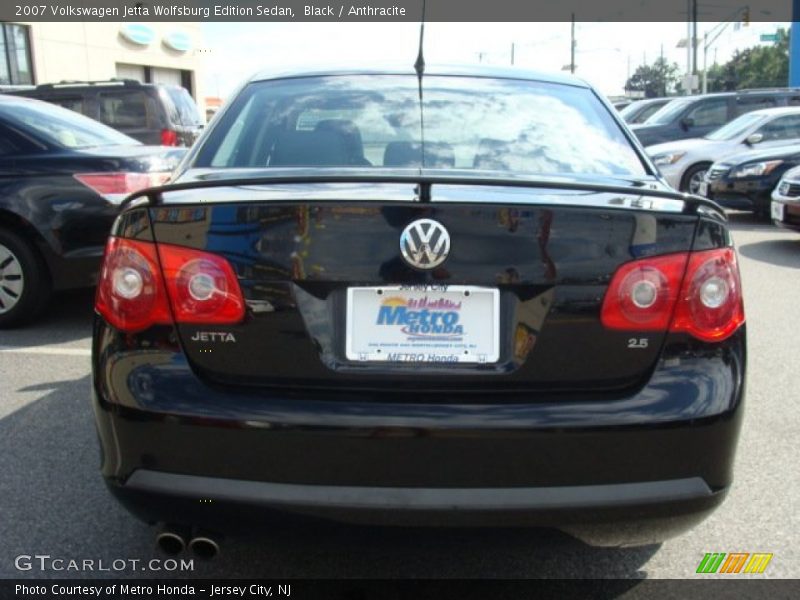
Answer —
174 540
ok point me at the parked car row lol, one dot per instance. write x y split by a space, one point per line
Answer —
731 147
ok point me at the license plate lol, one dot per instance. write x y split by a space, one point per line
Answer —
702 189
776 209
424 324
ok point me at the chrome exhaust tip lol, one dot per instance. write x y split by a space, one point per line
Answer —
204 547
170 541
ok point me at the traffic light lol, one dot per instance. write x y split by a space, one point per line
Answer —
746 16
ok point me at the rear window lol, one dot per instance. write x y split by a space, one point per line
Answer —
667 113
74 103
128 110
184 106
59 127
469 123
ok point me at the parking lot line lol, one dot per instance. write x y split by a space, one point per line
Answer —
46 350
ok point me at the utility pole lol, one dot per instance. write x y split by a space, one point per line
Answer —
512 54
572 47
688 89
694 37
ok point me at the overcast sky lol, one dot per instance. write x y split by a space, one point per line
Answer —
606 52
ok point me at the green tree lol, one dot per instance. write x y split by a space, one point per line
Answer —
756 67
658 79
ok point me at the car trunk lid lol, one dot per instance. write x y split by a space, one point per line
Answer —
299 250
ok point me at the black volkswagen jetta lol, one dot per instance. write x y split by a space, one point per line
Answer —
459 298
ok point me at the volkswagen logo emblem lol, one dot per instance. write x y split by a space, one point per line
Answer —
425 244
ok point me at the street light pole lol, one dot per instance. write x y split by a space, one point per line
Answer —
694 37
705 63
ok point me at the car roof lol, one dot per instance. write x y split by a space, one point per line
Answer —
15 99
776 111
408 69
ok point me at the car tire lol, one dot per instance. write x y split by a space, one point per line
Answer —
692 176
24 281
761 211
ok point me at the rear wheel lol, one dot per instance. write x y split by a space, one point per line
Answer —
694 177
24 281
761 210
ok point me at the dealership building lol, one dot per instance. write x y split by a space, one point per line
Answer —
168 53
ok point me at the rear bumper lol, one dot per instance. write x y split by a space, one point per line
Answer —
599 514
630 469
791 213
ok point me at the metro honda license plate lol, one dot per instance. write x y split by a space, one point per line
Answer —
423 323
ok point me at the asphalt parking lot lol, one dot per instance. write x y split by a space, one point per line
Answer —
54 503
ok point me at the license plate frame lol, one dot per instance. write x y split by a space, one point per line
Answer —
434 338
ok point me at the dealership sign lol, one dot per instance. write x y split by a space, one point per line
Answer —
178 41
138 33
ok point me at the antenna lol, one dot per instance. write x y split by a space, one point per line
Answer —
423 189
419 65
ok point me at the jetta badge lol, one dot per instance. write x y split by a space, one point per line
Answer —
425 244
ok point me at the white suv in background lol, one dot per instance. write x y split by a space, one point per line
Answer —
684 162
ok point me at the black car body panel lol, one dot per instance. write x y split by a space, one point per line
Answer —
616 436
67 221
71 222
753 192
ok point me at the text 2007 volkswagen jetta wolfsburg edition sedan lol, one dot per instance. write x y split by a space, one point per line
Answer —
463 297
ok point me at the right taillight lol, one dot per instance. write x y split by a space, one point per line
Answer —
202 287
698 293
710 305
143 285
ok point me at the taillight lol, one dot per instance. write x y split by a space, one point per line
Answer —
190 286
130 292
654 294
202 287
642 293
711 307
115 187
169 137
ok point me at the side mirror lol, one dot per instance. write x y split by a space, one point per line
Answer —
754 138
687 122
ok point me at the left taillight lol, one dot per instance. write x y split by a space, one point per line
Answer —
131 294
115 187
142 284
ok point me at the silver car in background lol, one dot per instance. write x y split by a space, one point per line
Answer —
785 206
684 163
